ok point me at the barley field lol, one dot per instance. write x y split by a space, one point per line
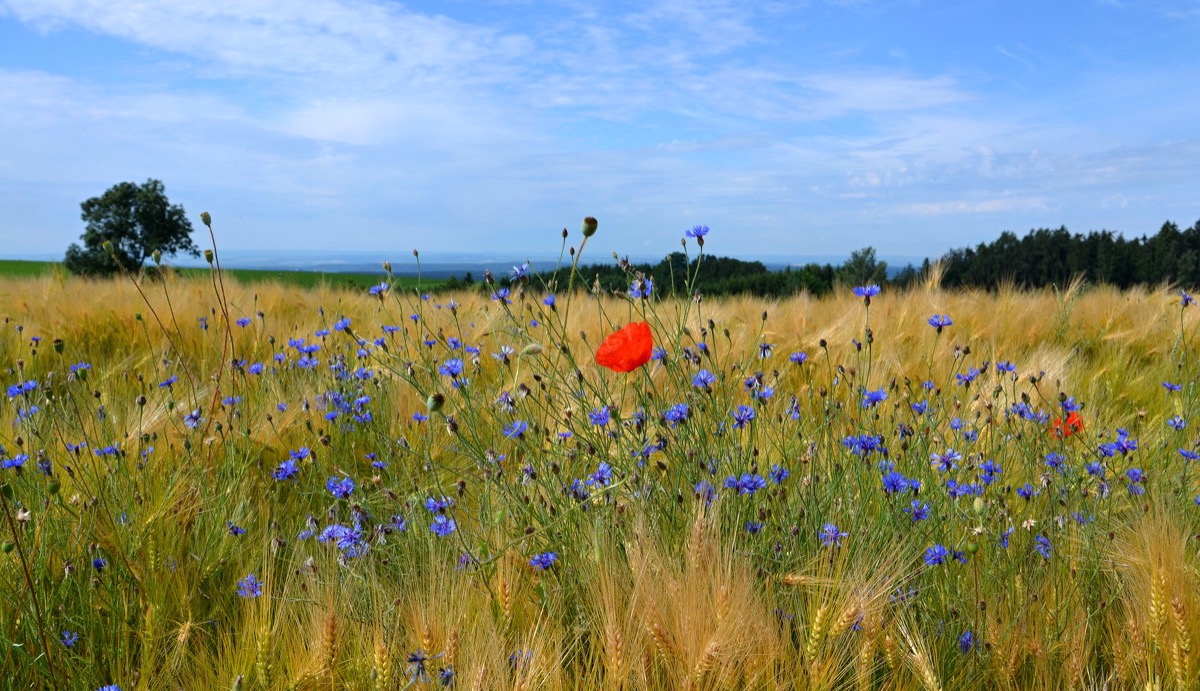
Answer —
215 485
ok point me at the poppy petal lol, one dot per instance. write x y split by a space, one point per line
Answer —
627 349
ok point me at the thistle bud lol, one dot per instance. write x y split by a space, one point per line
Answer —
589 226
208 256
58 345
434 402
565 233
206 219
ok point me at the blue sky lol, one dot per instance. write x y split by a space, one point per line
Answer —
790 128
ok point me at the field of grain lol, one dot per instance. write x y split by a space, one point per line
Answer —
209 484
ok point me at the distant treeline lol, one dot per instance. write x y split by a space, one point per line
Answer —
1053 257
1043 257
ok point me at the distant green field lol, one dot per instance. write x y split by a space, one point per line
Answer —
17 267
303 279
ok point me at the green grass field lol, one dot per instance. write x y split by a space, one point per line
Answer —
262 487
302 279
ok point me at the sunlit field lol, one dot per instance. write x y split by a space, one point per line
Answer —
214 485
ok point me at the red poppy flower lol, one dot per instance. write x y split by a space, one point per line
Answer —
627 349
1072 425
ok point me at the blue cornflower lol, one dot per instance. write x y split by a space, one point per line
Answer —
192 420
940 321
1177 423
894 482
754 527
658 353
831 535
920 407
778 474
235 529
1136 478
256 368
742 416
746 484
243 322
520 272
501 295
697 232
945 462
442 525
871 398
16 462
917 510
991 470
378 290
1069 405
704 379
971 375
340 487
515 429
99 563
1171 387
1189 455
602 476
798 357
441 505
1123 445
935 555
1026 491
1055 461
864 444
1185 299
765 349
641 288
867 292
109 687
68 638
550 300
705 490
600 416
1003 538
168 382
451 368
1041 545
286 470
249 587
677 413
1005 366
966 642
543 561
578 490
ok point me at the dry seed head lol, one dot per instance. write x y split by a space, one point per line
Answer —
614 648
708 660
330 642
383 667
815 633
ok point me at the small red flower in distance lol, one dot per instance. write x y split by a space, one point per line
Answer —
627 349
1072 425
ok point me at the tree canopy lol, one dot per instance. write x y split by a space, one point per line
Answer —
138 220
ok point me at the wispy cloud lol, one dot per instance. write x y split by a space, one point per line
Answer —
472 119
